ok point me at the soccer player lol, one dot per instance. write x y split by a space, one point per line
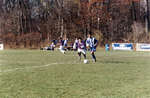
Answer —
52 46
91 43
65 42
61 48
75 45
81 49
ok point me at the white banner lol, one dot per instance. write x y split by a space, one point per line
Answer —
142 47
1 47
122 46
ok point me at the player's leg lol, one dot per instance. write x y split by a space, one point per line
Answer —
83 53
62 49
93 50
52 48
93 56
79 54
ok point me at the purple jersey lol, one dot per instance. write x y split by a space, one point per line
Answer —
52 45
81 46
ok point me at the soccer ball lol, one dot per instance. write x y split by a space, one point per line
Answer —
85 61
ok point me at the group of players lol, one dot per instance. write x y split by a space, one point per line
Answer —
81 46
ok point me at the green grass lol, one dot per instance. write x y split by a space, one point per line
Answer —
45 74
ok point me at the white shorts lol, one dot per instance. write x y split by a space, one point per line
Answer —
61 48
74 46
82 51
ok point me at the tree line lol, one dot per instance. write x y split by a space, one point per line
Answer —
34 23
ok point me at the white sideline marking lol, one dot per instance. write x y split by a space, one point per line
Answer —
33 67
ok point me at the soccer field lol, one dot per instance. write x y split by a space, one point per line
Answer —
45 74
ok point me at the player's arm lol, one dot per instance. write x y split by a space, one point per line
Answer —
95 43
87 43
82 46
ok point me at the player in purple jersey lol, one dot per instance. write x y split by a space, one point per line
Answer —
52 46
81 49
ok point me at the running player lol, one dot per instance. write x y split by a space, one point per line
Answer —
81 49
91 43
75 45
61 48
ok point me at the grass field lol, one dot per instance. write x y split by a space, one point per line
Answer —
45 74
